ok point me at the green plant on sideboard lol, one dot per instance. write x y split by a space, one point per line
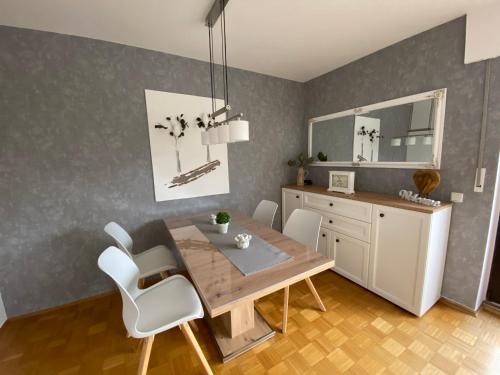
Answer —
300 162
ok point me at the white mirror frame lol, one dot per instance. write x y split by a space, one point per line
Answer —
440 106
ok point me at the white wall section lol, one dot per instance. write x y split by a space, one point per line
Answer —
482 37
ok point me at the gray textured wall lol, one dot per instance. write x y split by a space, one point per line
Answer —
74 154
75 151
431 60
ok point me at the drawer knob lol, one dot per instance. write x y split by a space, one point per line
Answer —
337 240
330 221
297 196
331 204
324 235
381 215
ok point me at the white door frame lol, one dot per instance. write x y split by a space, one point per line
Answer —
490 242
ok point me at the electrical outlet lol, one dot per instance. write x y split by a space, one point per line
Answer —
457 197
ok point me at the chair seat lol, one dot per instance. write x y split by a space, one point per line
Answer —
155 260
167 304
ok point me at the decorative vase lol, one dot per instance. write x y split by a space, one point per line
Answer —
426 181
222 228
301 173
213 218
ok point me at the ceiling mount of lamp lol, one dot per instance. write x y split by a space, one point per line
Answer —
232 129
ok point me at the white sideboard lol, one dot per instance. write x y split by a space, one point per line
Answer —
395 248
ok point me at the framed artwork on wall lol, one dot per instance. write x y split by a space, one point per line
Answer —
183 166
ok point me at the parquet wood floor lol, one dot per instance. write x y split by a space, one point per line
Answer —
359 334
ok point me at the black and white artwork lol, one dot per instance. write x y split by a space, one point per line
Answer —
184 167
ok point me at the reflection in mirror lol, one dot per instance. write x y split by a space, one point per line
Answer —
334 138
395 133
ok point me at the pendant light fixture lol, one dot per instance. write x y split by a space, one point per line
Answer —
232 129
428 140
396 142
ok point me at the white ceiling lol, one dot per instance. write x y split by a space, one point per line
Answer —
294 39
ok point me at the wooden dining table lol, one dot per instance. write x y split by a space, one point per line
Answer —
227 294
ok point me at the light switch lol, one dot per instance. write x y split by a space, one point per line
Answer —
457 197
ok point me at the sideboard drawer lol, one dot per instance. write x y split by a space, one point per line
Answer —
350 227
340 206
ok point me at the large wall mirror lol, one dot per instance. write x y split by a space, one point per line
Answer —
400 133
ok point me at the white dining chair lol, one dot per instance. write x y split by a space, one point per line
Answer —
302 226
147 312
158 259
264 212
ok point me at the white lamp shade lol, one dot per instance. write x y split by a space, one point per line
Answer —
213 135
205 138
223 133
410 141
396 142
238 131
428 140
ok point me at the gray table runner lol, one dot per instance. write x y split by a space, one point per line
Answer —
260 255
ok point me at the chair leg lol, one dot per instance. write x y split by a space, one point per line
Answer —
146 352
142 283
285 309
315 294
164 274
188 334
139 345
193 325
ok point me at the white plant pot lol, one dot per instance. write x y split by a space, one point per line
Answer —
242 244
222 228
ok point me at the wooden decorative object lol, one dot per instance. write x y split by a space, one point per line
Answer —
426 181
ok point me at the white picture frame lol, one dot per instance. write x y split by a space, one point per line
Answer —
347 178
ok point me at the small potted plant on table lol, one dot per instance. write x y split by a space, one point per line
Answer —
222 221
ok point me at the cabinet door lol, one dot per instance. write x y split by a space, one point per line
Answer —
291 200
397 255
351 257
323 242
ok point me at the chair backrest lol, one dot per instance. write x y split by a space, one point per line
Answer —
303 226
125 274
121 237
264 212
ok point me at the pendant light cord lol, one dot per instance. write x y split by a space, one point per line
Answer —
211 52
224 53
224 59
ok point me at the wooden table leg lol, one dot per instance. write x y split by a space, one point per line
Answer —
240 319
239 330
315 294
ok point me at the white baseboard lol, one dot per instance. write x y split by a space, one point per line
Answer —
3 314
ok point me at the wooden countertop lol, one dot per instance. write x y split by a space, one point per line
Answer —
374 198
